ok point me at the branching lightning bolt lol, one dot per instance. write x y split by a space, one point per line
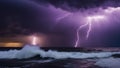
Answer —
90 20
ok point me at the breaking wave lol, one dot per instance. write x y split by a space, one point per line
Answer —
31 51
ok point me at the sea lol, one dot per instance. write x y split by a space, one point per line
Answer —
31 56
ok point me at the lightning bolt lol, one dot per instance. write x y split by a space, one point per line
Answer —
78 38
90 20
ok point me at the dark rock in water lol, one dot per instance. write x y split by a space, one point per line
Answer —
116 55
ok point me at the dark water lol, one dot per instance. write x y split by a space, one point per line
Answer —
48 63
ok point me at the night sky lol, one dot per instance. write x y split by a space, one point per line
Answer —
39 16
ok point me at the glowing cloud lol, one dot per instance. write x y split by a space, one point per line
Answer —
112 9
96 17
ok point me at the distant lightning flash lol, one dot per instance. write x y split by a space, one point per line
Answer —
34 40
90 20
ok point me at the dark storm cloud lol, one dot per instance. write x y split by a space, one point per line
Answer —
19 16
72 5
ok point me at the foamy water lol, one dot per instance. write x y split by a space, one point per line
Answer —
109 62
31 51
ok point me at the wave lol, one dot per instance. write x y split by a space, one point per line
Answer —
31 51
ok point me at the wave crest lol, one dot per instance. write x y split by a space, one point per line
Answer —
31 51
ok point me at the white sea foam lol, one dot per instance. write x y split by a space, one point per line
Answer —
109 63
31 51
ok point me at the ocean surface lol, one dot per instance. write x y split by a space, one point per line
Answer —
35 57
